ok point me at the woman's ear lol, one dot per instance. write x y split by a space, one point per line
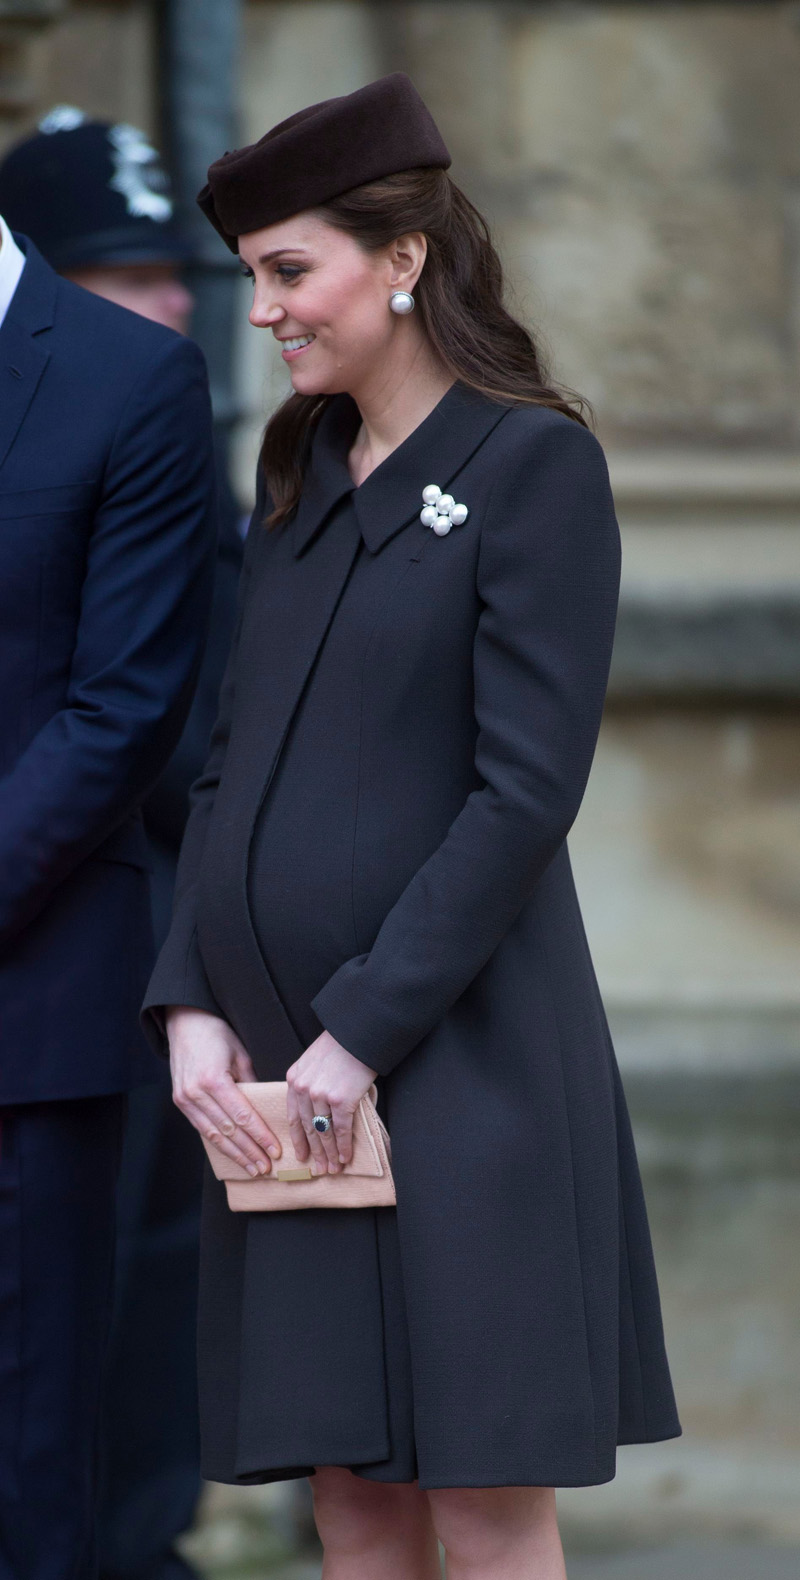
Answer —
406 257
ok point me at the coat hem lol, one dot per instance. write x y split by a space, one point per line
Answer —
431 1481
298 1464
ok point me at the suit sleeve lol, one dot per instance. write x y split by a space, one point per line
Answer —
144 607
548 580
179 976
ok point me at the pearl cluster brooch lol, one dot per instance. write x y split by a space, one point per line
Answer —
441 511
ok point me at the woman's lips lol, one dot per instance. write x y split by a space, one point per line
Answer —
295 346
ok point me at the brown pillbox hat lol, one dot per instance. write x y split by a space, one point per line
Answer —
320 153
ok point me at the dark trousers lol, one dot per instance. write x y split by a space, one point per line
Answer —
150 1480
58 1169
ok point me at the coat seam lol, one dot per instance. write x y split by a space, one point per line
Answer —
620 1193
557 1027
500 477
357 806
642 1393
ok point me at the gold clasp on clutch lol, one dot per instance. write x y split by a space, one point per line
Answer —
293 1174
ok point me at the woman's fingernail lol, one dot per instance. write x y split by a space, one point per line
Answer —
262 1165
252 1170
273 1152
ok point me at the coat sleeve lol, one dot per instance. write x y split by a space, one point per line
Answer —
179 976
144 605
548 581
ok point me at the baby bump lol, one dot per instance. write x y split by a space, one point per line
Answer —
300 887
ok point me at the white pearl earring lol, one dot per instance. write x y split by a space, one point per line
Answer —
402 302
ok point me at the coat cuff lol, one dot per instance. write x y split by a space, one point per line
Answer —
188 986
361 1023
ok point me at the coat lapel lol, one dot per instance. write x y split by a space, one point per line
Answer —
298 601
435 452
327 479
391 496
294 614
23 355
299 593
291 604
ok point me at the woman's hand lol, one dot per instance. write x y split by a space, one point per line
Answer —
207 1059
326 1079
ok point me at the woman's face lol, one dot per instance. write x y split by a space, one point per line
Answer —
327 300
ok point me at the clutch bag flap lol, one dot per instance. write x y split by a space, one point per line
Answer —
366 1181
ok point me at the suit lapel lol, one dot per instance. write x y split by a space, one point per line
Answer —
22 363
23 354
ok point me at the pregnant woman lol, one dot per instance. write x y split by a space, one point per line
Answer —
375 884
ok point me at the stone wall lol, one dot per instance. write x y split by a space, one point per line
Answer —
98 56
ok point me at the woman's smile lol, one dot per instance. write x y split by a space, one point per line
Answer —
294 345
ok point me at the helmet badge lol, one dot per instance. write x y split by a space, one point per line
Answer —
138 176
62 118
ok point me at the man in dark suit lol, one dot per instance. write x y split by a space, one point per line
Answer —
106 564
95 199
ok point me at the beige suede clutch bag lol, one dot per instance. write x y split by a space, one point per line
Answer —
366 1181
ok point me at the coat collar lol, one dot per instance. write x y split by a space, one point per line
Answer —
392 495
327 479
23 355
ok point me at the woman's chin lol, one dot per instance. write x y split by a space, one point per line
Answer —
306 382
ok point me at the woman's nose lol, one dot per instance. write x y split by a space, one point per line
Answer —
263 313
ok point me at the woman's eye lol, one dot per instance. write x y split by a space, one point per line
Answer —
288 272
247 274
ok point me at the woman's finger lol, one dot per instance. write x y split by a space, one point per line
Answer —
343 1132
216 1126
222 1107
302 1149
210 1130
320 1105
247 1118
230 1131
306 1115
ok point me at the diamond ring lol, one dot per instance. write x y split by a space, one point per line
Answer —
322 1123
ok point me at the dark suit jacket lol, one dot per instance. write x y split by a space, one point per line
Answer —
406 730
106 564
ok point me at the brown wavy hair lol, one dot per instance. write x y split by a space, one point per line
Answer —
459 297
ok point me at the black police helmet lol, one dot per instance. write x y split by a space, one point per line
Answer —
90 193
